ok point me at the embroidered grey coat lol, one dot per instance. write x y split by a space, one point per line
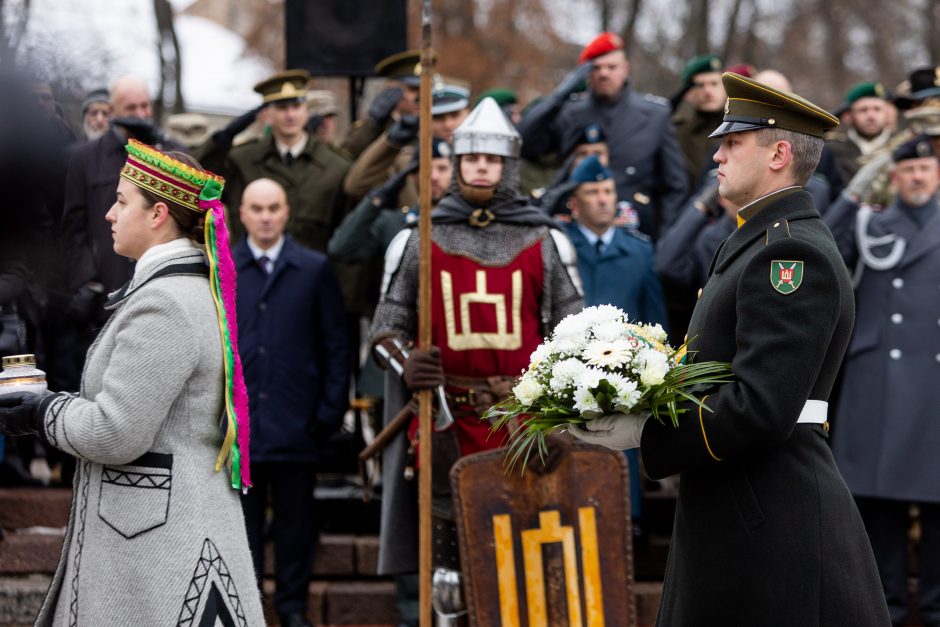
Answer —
155 536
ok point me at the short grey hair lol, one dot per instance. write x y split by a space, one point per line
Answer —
806 150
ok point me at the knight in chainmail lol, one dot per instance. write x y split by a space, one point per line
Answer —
885 434
503 275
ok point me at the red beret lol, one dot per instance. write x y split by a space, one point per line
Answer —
744 69
602 44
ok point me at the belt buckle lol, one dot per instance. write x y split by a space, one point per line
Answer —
471 397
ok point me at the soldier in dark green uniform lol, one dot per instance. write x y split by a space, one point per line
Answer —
766 532
697 107
867 129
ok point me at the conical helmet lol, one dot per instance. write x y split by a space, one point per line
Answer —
487 130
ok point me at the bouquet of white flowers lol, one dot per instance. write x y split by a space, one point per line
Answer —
597 363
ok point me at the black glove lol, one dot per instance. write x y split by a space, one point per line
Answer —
19 413
423 369
226 135
313 123
81 306
381 108
572 81
141 130
706 200
403 131
386 194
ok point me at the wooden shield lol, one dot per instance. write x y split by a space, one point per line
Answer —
546 549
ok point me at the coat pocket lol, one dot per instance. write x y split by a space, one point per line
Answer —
135 498
749 506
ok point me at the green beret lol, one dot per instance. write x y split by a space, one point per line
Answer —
700 65
752 105
865 90
502 95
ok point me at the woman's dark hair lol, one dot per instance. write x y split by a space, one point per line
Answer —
191 224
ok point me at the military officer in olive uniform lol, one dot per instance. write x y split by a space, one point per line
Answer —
310 171
766 532
886 435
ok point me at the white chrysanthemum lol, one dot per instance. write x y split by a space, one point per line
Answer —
584 401
609 330
607 354
540 354
573 325
627 390
654 367
566 373
528 390
570 344
657 332
590 378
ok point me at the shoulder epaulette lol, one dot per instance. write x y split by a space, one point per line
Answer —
657 100
640 235
779 230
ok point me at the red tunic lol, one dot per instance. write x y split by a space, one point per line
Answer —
487 322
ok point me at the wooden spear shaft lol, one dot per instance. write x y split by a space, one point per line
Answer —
424 319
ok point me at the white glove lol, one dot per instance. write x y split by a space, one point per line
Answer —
615 431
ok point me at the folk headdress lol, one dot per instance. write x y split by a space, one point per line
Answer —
200 191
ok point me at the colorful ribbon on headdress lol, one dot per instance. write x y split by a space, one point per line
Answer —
222 284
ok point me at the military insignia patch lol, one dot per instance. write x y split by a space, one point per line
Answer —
786 276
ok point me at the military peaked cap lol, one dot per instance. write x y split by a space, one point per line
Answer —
752 105
286 85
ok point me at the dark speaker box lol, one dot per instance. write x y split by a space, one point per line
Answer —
343 37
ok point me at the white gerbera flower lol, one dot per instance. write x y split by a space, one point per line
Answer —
653 368
528 390
566 373
585 402
607 354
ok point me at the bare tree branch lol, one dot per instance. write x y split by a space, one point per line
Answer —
629 31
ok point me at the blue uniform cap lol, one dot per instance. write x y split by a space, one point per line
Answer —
591 170
916 148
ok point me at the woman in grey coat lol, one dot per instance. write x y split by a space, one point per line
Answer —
156 535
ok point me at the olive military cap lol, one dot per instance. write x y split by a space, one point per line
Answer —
404 67
752 105
286 85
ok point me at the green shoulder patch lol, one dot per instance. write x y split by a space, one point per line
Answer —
786 276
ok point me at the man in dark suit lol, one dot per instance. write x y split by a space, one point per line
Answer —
766 532
293 345
644 153
606 251
886 434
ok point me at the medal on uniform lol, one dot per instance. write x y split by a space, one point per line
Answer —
786 276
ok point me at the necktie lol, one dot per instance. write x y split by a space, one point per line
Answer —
598 246
265 263
288 159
